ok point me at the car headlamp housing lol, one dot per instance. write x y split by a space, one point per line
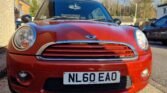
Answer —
141 40
24 38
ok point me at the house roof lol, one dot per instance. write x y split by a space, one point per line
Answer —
25 2
161 5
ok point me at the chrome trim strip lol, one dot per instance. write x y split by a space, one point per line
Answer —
120 59
38 54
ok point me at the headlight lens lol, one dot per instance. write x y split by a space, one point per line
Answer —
24 38
142 40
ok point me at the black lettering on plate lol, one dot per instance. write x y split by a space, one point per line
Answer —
107 77
77 79
114 76
101 76
71 77
92 77
85 77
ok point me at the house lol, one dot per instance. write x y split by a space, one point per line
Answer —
161 10
22 6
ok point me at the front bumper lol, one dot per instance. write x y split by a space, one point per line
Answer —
41 71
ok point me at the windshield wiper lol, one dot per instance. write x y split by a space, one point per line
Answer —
102 20
63 18
77 18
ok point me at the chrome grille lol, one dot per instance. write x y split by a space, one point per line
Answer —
87 50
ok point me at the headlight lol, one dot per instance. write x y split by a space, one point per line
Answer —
24 38
142 40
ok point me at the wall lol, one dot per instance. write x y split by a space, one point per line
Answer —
7 25
161 11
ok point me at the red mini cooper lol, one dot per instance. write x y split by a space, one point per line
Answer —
75 46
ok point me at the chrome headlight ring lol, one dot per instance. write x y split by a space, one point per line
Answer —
141 40
24 38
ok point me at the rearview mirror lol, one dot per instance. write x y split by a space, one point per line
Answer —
26 18
117 21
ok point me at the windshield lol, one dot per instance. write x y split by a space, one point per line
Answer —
162 21
73 9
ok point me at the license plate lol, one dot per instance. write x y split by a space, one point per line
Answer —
86 78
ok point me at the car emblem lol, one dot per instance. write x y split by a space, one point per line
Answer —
91 37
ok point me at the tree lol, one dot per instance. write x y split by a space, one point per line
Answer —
145 8
7 24
112 6
127 8
34 7
163 1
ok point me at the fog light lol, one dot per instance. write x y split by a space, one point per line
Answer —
24 78
23 74
145 74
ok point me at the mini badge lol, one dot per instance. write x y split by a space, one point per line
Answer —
91 37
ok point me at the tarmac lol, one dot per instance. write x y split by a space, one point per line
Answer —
2 62
151 89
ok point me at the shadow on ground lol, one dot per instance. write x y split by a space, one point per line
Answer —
2 62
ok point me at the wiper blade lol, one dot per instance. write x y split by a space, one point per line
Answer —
102 20
63 17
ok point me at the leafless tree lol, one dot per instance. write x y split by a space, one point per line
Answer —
119 8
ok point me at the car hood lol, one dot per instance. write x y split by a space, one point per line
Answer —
79 30
148 28
55 31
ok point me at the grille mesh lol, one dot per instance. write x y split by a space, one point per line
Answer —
87 51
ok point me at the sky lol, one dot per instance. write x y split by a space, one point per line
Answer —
156 2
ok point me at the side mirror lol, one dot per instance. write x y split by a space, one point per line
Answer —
117 21
153 24
26 18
